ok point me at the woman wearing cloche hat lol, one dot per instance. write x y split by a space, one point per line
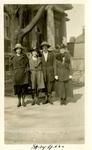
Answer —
20 65
36 75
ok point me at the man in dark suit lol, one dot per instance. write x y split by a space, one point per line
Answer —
49 70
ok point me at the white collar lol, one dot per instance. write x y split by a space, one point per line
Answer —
45 52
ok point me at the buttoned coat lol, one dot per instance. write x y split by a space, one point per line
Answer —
20 65
49 71
49 66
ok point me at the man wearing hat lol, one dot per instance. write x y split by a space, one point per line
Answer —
49 70
20 64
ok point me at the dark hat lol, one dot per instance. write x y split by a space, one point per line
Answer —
63 46
33 49
45 43
57 46
18 45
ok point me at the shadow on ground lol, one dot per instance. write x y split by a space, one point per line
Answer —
75 98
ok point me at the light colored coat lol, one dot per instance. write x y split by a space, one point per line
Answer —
36 73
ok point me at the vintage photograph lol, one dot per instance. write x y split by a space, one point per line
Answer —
44 73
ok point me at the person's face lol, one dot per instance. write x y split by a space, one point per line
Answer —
41 51
34 53
18 50
45 48
62 50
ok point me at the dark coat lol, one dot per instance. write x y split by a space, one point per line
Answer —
20 65
49 71
63 85
49 67
63 70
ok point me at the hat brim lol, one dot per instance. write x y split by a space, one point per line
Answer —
45 45
63 46
32 50
22 48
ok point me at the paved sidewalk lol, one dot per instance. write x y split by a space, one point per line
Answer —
45 123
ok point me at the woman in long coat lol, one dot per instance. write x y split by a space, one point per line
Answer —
64 75
36 75
20 64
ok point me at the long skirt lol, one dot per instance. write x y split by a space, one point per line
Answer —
20 79
64 89
37 80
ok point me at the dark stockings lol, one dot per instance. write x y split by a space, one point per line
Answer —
63 101
23 98
35 97
19 100
21 95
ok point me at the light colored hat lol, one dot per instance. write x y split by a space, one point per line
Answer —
45 43
18 45
34 48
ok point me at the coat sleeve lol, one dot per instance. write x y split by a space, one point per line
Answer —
27 63
11 62
69 63
70 67
54 64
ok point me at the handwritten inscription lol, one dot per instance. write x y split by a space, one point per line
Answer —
47 147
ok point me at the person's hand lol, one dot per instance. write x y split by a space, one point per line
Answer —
56 77
70 76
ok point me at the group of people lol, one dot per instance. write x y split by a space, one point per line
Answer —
45 70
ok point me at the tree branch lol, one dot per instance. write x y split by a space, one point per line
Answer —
34 21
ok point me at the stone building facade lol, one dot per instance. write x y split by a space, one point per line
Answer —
51 26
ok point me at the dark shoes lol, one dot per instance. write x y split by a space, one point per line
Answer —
63 101
35 101
38 103
24 104
47 100
19 105
50 99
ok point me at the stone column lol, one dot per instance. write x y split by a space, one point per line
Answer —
50 27
63 25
